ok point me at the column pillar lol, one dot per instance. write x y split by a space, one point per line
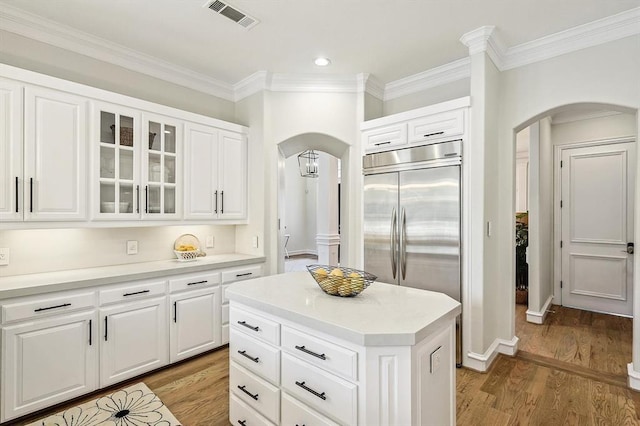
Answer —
327 237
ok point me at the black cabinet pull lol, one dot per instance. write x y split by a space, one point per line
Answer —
215 195
222 202
242 422
30 195
64 305
135 292
242 388
198 282
244 275
17 199
244 324
90 333
382 143
307 351
308 389
146 198
106 329
451 154
137 198
433 134
244 354
175 311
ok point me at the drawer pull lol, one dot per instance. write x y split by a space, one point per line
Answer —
242 422
244 354
382 143
451 154
433 134
244 323
244 275
308 389
242 388
64 305
307 351
198 282
135 292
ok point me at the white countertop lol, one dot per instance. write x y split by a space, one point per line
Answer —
382 315
25 285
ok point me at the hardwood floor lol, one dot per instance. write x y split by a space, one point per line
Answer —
554 379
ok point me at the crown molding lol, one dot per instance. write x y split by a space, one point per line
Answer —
256 82
28 25
322 83
367 83
448 73
582 116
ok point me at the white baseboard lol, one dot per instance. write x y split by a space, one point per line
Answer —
634 377
297 252
482 362
539 317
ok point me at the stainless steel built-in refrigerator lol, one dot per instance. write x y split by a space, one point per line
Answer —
412 219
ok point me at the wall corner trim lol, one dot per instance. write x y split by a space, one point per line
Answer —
633 377
482 362
538 317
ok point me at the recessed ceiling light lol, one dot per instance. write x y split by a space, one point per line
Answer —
322 62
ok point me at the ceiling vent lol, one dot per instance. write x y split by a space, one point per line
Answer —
224 9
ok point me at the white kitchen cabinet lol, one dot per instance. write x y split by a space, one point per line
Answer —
133 339
230 276
215 173
55 139
436 127
11 160
48 361
195 323
383 138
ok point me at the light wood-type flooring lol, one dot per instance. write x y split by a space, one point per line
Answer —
554 379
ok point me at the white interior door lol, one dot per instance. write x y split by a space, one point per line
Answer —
597 223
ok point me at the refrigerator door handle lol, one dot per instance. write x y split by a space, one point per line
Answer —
393 238
403 244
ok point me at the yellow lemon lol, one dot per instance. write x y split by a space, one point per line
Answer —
337 272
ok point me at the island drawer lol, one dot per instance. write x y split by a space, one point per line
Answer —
194 281
295 412
257 393
241 414
44 306
255 325
258 357
331 395
133 291
320 352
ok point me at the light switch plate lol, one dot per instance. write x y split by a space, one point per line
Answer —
255 241
209 242
4 256
132 247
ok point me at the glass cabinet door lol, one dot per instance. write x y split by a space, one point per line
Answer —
117 194
160 191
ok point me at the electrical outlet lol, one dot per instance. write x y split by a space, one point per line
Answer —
132 247
255 242
209 242
4 256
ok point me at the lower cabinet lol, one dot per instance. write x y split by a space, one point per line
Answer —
134 339
48 361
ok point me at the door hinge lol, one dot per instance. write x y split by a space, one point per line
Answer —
560 203
560 243
560 284
561 163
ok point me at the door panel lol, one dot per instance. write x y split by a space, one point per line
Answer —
430 229
597 223
201 171
380 204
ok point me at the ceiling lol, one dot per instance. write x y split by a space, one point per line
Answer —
389 39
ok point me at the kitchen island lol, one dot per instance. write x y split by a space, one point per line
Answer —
300 356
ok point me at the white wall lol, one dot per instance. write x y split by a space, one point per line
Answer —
434 95
300 209
593 129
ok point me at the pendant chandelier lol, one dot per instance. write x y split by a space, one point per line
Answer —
308 163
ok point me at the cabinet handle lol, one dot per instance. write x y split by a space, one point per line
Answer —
244 324
244 275
175 311
146 198
433 134
30 195
222 202
244 354
242 422
137 198
307 351
242 388
106 329
215 195
451 154
198 282
308 389
17 199
382 143
135 292
52 307
90 332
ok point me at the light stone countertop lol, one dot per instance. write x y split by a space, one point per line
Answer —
25 285
382 315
